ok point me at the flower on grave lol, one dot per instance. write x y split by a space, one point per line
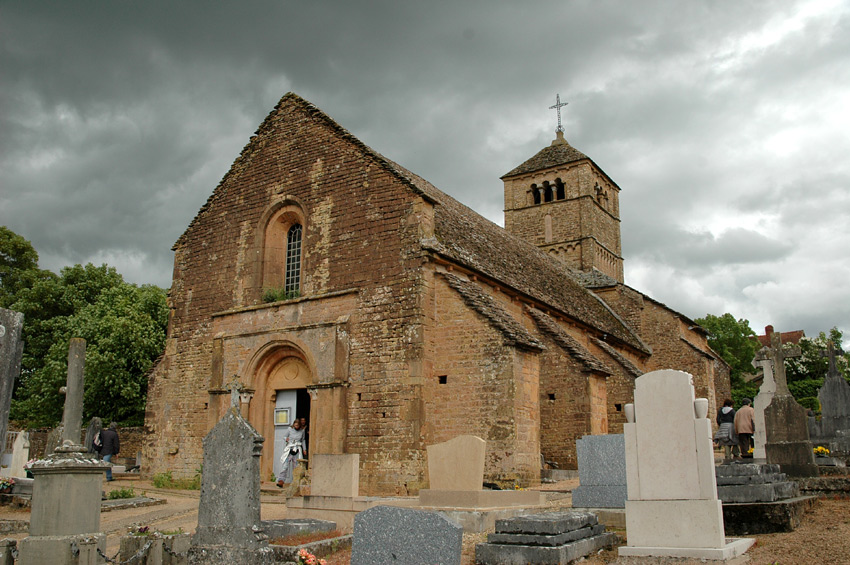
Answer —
307 558
821 451
6 482
750 451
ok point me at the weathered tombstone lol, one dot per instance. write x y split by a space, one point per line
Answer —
672 509
11 349
94 428
387 534
457 464
65 517
601 472
834 398
335 475
766 391
553 537
20 455
786 422
54 440
229 529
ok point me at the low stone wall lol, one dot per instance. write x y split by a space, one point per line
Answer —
131 441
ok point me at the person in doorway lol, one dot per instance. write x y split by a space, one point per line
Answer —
111 446
293 450
303 422
725 435
745 427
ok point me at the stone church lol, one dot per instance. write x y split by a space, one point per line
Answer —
329 283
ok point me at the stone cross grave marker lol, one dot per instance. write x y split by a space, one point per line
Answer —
11 349
72 416
785 421
386 534
229 529
672 509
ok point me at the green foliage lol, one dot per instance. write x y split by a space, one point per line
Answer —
278 294
809 403
18 266
165 480
805 388
733 340
118 493
123 325
811 364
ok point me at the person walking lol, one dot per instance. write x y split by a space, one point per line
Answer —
111 446
725 435
293 450
745 427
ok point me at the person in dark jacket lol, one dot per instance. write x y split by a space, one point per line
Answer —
725 435
111 446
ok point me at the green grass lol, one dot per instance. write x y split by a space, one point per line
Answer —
119 493
278 294
165 480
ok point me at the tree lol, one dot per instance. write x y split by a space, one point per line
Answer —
18 266
124 328
733 340
805 374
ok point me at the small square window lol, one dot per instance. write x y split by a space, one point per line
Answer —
551 396
443 379
619 407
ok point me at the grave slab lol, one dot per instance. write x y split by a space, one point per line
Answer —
457 464
751 518
335 475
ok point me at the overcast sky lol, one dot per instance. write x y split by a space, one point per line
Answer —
726 124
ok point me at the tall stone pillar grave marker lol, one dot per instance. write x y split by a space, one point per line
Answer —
11 349
65 517
672 509
767 389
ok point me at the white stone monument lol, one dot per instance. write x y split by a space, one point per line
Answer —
20 456
672 509
762 400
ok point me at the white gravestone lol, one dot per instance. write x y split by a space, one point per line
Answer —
762 400
672 509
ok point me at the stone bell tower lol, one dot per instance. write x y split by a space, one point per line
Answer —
562 202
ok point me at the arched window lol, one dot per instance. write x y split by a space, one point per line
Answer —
292 279
559 192
547 192
535 193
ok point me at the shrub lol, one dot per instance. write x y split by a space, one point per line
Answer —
127 492
278 294
165 480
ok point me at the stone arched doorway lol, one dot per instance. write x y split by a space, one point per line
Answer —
280 379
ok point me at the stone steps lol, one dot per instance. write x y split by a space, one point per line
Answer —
555 537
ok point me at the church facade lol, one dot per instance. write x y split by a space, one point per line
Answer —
329 283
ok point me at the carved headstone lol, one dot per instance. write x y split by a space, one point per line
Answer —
457 464
601 472
229 529
786 422
672 509
11 349
20 455
95 426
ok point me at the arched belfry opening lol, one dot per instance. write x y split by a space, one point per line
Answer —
280 379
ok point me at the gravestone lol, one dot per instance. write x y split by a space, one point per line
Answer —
672 508
553 537
601 472
20 456
767 389
387 534
65 516
229 530
95 426
335 475
786 422
11 349
457 464
834 397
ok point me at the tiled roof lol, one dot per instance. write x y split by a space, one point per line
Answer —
513 332
469 239
465 237
552 156
786 337
568 343
630 367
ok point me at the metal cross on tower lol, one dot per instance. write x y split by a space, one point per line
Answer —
558 105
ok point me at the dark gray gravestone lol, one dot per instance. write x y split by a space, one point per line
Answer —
11 349
95 426
834 397
385 534
601 472
229 530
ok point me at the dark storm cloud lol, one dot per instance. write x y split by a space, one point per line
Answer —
724 124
